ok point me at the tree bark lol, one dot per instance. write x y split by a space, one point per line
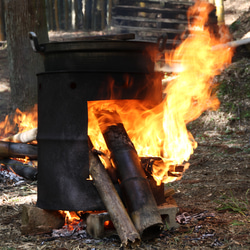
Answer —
21 18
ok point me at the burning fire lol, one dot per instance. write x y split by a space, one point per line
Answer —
161 131
70 216
19 122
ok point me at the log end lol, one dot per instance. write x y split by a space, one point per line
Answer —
152 231
133 240
148 222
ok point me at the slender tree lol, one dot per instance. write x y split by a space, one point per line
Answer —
2 22
50 14
88 13
21 18
78 14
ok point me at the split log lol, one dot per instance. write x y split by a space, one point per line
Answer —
17 150
24 137
175 171
19 168
135 187
112 201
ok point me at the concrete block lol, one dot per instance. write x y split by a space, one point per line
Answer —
96 228
36 220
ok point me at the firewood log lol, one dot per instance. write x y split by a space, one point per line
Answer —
24 170
17 150
112 201
135 187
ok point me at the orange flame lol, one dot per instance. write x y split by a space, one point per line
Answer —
161 131
19 122
71 219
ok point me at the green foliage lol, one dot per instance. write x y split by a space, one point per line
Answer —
234 26
233 204
246 150
237 223
166 226
247 115
225 89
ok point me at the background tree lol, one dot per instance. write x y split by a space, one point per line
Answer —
21 18
2 22
78 14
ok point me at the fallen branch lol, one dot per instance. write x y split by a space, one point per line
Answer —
112 201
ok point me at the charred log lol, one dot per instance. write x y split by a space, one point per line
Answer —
19 168
112 201
176 171
158 190
135 187
17 150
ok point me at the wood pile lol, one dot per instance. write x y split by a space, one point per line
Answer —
15 149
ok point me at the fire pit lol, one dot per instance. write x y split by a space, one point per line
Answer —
77 72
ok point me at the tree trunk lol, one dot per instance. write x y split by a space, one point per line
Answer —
87 16
50 14
66 15
78 14
56 15
21 18
2 22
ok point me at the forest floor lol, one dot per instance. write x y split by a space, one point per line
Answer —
216 184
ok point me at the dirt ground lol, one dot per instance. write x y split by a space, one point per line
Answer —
216 185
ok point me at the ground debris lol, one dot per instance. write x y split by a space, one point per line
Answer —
185 217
